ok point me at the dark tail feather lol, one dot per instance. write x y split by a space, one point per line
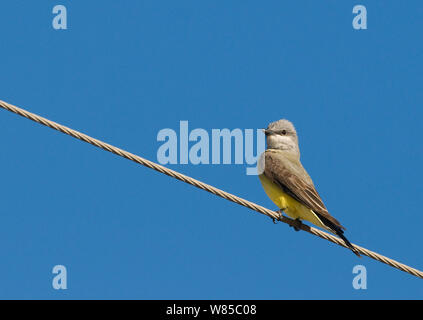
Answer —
340 233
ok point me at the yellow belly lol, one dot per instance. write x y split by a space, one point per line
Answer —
289 205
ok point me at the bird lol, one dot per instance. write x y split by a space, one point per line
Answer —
288 184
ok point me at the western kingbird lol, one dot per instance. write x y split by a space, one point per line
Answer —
288 184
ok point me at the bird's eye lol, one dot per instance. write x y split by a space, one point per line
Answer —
283 132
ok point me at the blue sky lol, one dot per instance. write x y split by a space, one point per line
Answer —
123 71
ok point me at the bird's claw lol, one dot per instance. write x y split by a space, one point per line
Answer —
280 215
297 224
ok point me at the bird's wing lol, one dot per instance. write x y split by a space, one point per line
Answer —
301 189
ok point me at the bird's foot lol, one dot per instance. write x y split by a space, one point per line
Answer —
297 224
280 215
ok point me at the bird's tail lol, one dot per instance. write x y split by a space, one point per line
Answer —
340 233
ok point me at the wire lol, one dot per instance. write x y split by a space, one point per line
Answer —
228 196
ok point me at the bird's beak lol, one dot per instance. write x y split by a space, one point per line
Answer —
267 132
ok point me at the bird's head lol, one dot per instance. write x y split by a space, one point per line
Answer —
281 135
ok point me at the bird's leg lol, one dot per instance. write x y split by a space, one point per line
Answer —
280 215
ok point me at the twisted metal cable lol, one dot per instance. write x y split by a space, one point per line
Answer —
152 165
